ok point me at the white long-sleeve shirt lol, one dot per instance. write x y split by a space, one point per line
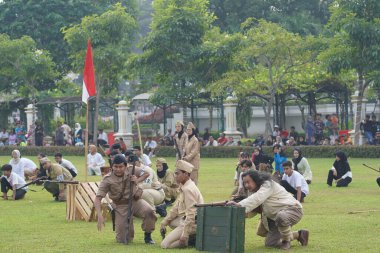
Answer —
95 160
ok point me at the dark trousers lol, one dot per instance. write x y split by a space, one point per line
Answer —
6 186
53 188
290 189
341 183
378 181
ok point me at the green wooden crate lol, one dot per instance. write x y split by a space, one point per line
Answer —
220 229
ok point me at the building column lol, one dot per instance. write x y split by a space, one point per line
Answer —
125 125
230 106
31 117
354 101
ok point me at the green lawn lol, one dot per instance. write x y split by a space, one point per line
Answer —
37 223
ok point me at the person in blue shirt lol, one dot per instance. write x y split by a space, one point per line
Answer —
279 159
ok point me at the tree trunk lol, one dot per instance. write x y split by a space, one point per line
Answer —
361 85
210 111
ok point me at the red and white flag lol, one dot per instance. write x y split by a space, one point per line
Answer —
89 87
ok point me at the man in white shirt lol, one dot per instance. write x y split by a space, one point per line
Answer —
294 182
102 137
211 142
66 164
12 181
94 161
142 157
150 146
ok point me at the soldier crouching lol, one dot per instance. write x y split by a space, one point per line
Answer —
117 184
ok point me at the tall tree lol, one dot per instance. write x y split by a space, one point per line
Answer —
355 45
270 60
25 68
298 16
171 48
112 35
43 20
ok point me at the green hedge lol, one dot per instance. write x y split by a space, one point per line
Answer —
308 151
49 151
213 152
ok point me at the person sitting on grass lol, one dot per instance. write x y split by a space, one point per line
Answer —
279 210
301 165
340 171
12 181
294 182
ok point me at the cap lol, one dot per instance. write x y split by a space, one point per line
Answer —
185 166
190 126
118 159
161 160
44 160
180 123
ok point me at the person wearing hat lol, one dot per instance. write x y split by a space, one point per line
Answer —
180 139
56 172
152 189
117 185
182 215
167 180
12 181
192 151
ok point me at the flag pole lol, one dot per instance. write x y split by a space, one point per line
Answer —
86 142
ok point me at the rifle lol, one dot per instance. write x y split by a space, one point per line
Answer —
221 203
177 149
35 181
130 201
371 167
61 182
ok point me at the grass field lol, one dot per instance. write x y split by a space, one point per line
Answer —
37 223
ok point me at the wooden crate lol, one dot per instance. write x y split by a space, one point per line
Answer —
80 202
220 229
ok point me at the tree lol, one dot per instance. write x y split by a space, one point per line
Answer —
26 69
43 20
355 45
112 35
171 48
269 62
298 16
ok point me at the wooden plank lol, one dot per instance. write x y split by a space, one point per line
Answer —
86 198
81 209
81 200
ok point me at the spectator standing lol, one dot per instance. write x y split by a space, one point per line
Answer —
39 134
319 126
59 135
78 134
102 138
309 129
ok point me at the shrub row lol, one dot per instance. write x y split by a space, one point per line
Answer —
308 151
212 152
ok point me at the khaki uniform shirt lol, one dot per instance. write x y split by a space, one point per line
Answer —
113 185
192 152
59 173
181 143
150 182
273 198
189 195
169 185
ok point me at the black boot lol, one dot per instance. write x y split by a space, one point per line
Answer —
161 210
148 238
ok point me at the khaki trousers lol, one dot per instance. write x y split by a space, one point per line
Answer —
153 197
171 241
280 228
140 209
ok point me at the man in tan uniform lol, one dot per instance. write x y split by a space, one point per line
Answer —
280 211
116 184
56 172
182 215
180 139
192 151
